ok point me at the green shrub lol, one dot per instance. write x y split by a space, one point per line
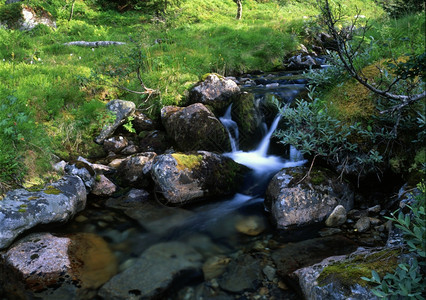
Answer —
311 128
398 8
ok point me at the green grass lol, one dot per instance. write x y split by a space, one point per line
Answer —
63 106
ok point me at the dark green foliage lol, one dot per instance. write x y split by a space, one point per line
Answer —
11 14
398 8
413 67
155 6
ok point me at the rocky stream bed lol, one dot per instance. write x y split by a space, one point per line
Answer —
204 205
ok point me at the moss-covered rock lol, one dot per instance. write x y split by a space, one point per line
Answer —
194 128
339 277
182 178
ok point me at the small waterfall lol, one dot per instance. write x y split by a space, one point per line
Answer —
262 150
232 128
257 160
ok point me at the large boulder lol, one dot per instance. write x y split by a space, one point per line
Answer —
214 91
339 277
183 178
154 272
122 110
21 209
135 170
293 202
44 266
195 128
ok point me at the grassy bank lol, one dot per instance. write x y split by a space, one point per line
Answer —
52 106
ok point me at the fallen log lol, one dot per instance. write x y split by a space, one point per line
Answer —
93 44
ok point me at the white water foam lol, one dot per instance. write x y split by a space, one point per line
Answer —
258 160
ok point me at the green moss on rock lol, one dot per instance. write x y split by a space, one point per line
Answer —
349 272
187 161
204 77
51 190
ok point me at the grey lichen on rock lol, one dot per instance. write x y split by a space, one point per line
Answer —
214 90
293 203
21 210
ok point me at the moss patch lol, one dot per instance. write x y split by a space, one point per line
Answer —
349 272
51 190
187 161
204 77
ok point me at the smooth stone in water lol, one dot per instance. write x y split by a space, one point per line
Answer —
52 267
363 224
242 274
251 225
337 217
215 266
156 269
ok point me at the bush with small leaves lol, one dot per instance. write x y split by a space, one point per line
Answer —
408 280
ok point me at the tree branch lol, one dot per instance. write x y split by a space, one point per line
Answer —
346 56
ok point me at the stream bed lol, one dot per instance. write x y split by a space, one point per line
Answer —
226 248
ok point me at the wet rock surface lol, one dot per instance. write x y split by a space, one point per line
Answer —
139 205
162 263
244 273
51 267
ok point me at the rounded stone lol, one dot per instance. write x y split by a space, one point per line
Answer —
337 217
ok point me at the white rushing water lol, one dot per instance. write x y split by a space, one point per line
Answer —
258 160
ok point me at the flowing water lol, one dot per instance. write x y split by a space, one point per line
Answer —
210 228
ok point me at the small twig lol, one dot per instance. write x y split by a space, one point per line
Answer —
343 168
309 171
